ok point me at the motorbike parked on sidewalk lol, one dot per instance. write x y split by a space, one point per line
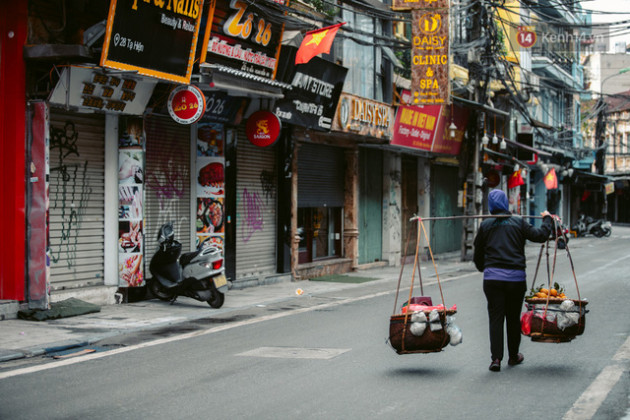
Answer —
586 225
199 274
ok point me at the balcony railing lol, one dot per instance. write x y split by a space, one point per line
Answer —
560 60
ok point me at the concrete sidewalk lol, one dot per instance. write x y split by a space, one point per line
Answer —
22 338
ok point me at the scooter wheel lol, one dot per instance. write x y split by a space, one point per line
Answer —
158 291
216 298
608 232
599 233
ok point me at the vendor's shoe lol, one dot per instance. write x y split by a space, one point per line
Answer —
516 360
495 366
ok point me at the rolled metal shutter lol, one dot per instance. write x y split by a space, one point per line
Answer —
320 176
167 180
256 211
77 199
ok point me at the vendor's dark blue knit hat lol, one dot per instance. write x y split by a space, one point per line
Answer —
497 201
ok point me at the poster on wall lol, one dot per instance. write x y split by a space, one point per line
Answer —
131 144
210 177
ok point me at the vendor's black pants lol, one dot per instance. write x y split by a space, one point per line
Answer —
505 301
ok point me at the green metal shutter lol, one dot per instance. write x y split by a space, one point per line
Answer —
370 205
446 235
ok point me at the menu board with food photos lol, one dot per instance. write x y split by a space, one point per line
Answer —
210 177
131 152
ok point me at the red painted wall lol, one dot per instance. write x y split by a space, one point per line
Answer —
13 25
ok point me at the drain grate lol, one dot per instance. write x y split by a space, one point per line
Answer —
294 352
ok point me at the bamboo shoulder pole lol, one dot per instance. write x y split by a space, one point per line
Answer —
481 216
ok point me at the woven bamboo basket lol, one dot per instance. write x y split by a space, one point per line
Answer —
545 331
404 342
542 329
400 336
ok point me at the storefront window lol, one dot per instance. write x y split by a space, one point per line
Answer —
320 233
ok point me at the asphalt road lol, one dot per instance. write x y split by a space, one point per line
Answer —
326 357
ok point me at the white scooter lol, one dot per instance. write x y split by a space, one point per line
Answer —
199 274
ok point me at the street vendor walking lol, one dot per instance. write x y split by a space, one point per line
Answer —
500 255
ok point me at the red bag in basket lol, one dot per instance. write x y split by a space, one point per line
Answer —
526 322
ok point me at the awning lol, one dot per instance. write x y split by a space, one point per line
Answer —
240 83
526 147
591 176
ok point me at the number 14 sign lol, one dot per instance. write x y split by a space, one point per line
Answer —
526 36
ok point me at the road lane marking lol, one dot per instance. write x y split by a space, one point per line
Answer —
94 356
294 352
589 402
608 264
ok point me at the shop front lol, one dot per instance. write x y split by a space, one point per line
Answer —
429 138
339 217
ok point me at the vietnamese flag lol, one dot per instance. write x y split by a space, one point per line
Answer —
551 180
316 42
516 180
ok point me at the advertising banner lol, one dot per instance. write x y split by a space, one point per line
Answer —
154 38
427 128
241 36
316 89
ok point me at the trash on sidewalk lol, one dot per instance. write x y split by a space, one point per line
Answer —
63 309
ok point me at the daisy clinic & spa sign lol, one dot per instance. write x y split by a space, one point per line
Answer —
430 57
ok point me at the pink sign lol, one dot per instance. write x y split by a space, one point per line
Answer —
415 126
427 128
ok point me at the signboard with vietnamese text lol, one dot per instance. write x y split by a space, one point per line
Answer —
93 89
316 89
427 128
430 57
419 4
363 117
154 38
240 36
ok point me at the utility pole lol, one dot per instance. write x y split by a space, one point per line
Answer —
600 136
600 154
472 185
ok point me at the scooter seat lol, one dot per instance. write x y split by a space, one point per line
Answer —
187 257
